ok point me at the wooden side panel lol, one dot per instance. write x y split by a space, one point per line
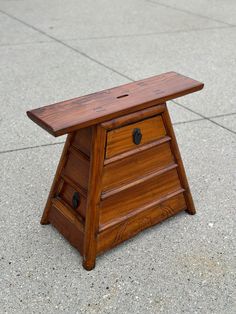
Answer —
67 193
77 169
181 171
135 166
122 203
56 180
82 140
67 228
121 139
127 229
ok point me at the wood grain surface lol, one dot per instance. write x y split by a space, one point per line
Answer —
123 202
77 113
123 184
121 139
77 169
67 225
67 193
94 192
82 140
132 167
143 219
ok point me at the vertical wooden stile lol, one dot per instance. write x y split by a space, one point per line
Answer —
93 198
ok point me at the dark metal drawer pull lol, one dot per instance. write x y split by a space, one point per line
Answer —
137 136
75 200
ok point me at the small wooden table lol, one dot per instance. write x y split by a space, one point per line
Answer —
120 170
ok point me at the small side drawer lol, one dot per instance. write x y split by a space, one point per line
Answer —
67 193
133 135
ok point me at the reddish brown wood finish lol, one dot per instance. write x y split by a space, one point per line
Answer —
82 140
92 214
56 180
67 227
142 162
66 194
139 220
120 140
121 203
133 117
181 171
122 187
78 113
77 169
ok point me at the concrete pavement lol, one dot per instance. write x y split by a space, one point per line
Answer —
56 50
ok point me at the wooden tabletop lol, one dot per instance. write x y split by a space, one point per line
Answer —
70 115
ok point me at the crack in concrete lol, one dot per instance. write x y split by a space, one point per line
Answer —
112 70
189 12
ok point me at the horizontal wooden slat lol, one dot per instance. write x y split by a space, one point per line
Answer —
68 213
77 113
77 187
137 150
135 166
140 180
133 117
139 210
81 154
121 203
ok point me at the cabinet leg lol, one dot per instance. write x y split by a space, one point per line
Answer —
93 198
191 211
181 171
44 219
89 264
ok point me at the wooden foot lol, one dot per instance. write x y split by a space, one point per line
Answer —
89 265
44 221
191 211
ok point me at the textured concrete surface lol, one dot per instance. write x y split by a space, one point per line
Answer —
102 18
206 55
216 10
55 50
227 121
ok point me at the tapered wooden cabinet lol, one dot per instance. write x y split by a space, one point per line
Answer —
120 170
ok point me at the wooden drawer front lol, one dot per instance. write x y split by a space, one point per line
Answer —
144 219
67 193
77 169
135 166
121 139
132 198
